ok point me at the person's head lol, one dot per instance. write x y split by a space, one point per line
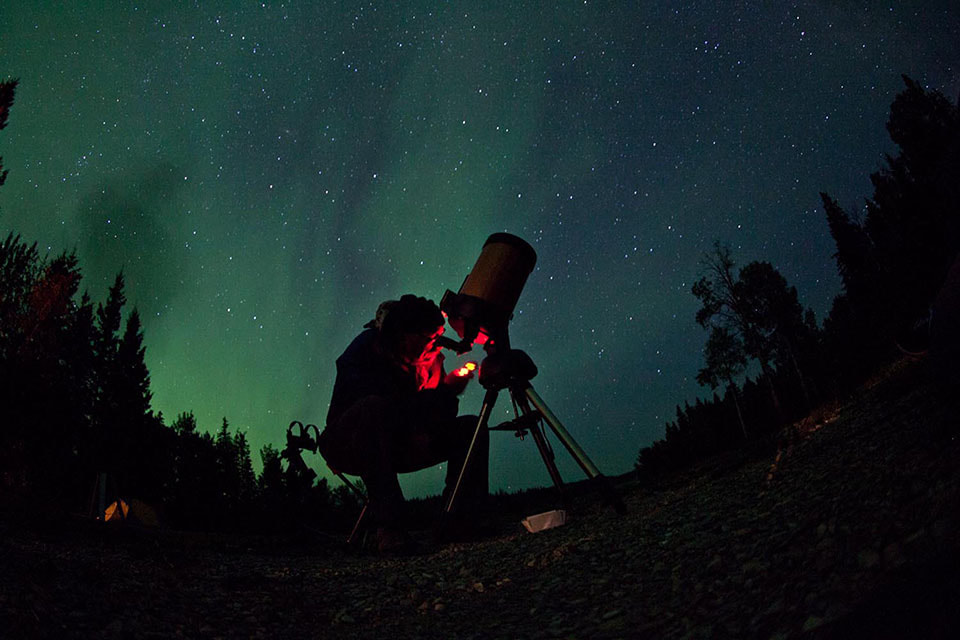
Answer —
409 327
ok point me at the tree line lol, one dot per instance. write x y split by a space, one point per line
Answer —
767 356
76 396
75 393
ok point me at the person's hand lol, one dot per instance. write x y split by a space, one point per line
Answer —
457 379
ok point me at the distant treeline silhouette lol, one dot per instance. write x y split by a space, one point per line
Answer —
75 392
75 402
892 258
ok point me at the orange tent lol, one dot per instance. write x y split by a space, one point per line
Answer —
135 511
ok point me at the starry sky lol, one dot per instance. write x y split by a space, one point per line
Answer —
266 173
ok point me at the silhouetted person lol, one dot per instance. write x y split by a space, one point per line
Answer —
394 410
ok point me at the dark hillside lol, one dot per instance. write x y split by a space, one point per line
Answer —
849 529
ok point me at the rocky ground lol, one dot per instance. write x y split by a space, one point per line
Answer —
849 528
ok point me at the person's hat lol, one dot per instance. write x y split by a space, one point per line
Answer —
409 314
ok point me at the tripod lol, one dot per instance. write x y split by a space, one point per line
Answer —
512 369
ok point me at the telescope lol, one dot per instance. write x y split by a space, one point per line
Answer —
480 313
481 310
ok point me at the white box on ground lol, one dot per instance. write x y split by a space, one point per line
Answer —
545 520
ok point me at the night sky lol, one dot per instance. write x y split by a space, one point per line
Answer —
266 173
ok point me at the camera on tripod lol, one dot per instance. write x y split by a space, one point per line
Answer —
480 313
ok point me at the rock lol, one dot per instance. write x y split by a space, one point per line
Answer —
776 608
812 622
868 558
752 566
343 617
715 563
893 556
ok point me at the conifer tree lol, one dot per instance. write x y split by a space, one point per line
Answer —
270 482
109 319
133 373
185 424
109 450
855 258
913 217
247 481
82 335
7 90
226 462
19 269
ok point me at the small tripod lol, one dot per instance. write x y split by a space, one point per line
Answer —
512 369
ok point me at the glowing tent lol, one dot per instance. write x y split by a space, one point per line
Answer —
118 510
134 511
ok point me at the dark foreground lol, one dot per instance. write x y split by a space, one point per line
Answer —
850 529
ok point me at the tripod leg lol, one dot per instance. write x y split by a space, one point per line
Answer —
578 454
603 483
541 442
489 399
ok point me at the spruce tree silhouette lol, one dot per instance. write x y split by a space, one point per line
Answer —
109 446
893 265
8 89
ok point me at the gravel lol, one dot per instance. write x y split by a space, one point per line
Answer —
849 528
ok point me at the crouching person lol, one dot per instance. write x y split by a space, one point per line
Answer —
394 410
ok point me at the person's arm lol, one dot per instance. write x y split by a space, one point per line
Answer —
431 374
